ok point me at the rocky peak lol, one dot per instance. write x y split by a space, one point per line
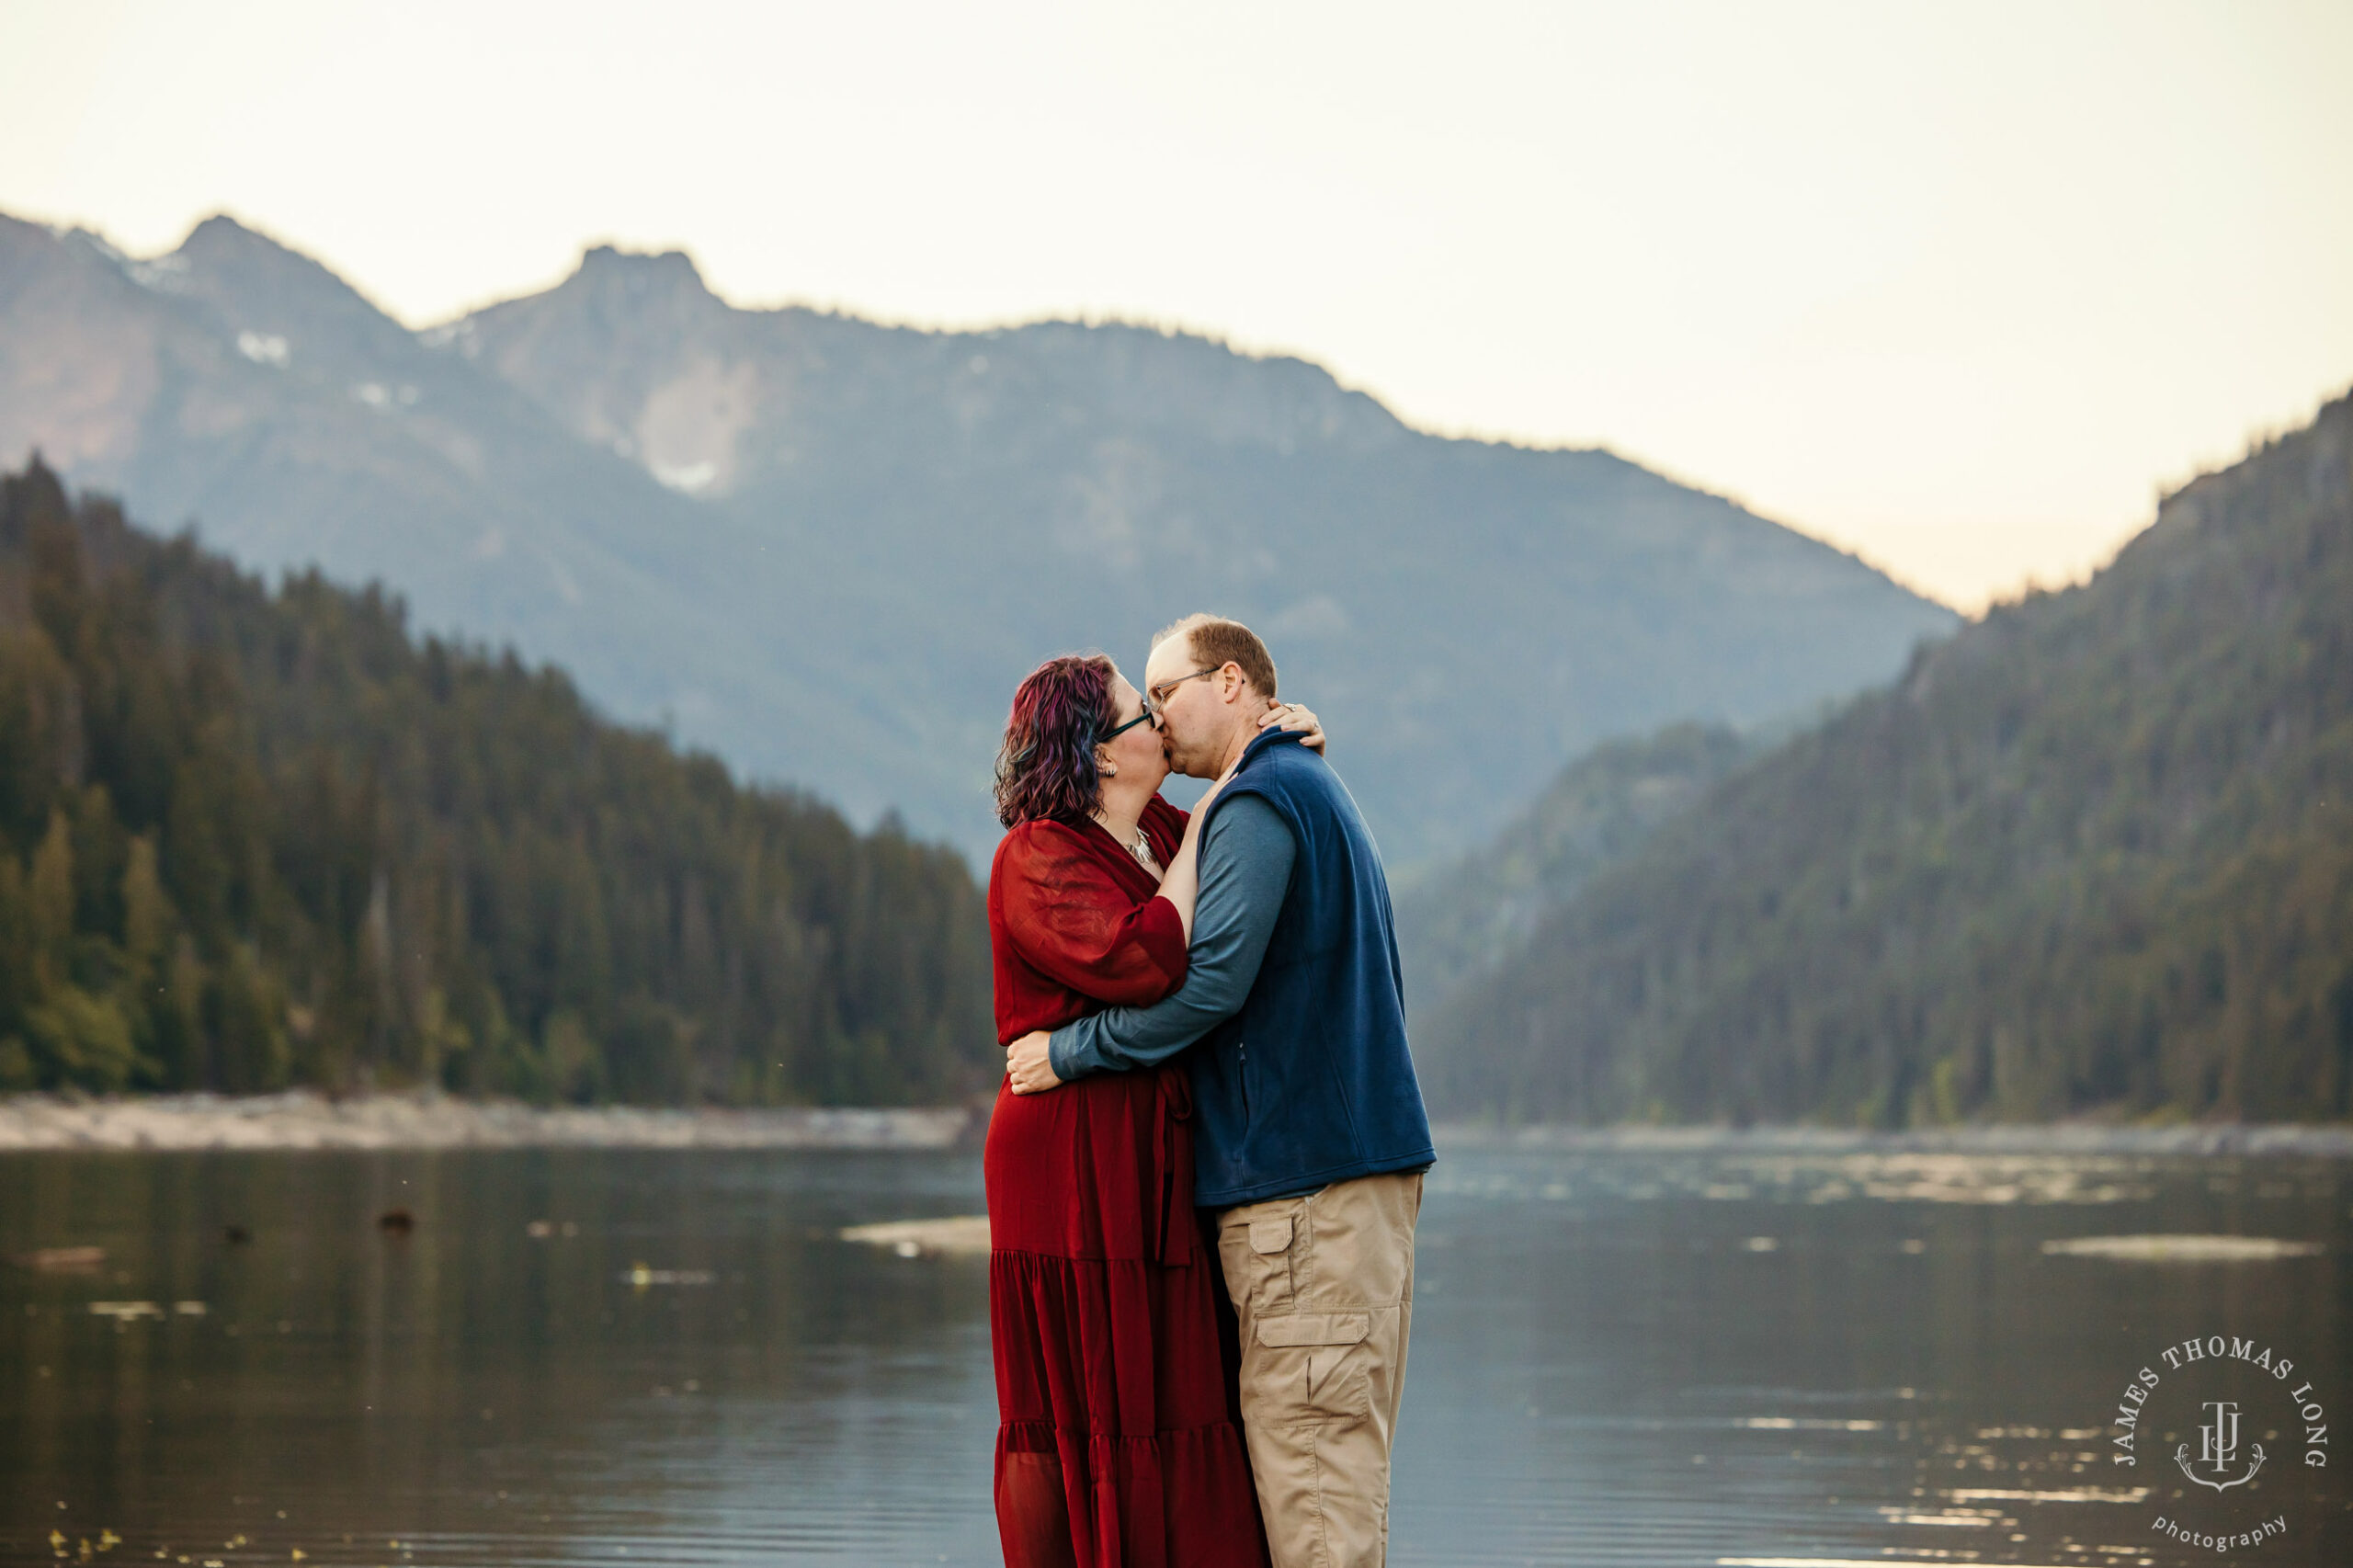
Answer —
260 285
674 265
222 245
642 279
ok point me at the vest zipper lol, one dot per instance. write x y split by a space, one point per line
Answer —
1242 1048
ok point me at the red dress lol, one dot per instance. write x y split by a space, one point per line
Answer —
1119 1442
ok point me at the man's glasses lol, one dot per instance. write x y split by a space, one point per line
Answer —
1157 696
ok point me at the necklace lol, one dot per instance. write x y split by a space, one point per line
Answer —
1139 845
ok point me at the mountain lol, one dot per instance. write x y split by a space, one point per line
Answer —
2092 855
1462 921
236 384
251 838
828 549
949 507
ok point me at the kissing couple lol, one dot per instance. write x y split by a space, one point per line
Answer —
1205 1164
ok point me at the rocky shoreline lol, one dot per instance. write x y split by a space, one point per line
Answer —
2320 1141
302 1119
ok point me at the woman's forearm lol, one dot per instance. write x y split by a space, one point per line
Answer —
1182 885
1182 882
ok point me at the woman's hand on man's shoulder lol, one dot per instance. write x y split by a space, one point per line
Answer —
1294 716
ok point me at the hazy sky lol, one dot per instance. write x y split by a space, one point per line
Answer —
1958 288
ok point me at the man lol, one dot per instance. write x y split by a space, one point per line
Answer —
1309 1136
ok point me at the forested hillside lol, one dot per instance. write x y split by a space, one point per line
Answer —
2094 855
250 839
1472 916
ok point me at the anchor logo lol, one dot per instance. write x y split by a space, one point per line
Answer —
2218 1446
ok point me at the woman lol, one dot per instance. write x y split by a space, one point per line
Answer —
1119 1445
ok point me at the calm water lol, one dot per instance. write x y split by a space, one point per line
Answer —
1617 1359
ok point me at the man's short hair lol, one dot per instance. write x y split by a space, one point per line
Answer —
1217 643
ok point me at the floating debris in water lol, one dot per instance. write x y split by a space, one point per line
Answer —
236 1235
2183 1249
126 1311
1830 1562
640 1276
962 1233
60 1260
2062 1495
396 1221
1974 1518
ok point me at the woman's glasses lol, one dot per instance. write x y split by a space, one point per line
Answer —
1107 736
1154 700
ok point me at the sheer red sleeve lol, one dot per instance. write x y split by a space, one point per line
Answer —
1066 915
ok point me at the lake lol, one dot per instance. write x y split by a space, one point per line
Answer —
579 1356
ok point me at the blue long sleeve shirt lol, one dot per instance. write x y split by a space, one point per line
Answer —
1246 864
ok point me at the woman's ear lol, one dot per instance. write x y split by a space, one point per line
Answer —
1104 765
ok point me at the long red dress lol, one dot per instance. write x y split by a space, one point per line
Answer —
1118 1443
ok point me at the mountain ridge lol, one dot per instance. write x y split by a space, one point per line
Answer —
829 548
1459 922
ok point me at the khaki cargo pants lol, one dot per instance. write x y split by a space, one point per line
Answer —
1325 1288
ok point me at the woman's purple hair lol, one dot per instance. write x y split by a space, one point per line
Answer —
1046 766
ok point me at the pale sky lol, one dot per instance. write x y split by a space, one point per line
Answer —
1956 288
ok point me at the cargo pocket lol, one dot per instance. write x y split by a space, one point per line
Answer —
1262 1262
1270 1236
1332 1382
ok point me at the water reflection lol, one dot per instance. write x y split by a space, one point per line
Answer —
597 1357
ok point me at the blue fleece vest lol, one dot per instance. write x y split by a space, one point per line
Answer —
1311 1082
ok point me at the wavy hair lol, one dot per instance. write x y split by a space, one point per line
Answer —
1045 767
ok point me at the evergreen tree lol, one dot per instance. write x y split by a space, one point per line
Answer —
250 838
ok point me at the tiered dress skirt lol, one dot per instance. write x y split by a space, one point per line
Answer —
1119 1444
